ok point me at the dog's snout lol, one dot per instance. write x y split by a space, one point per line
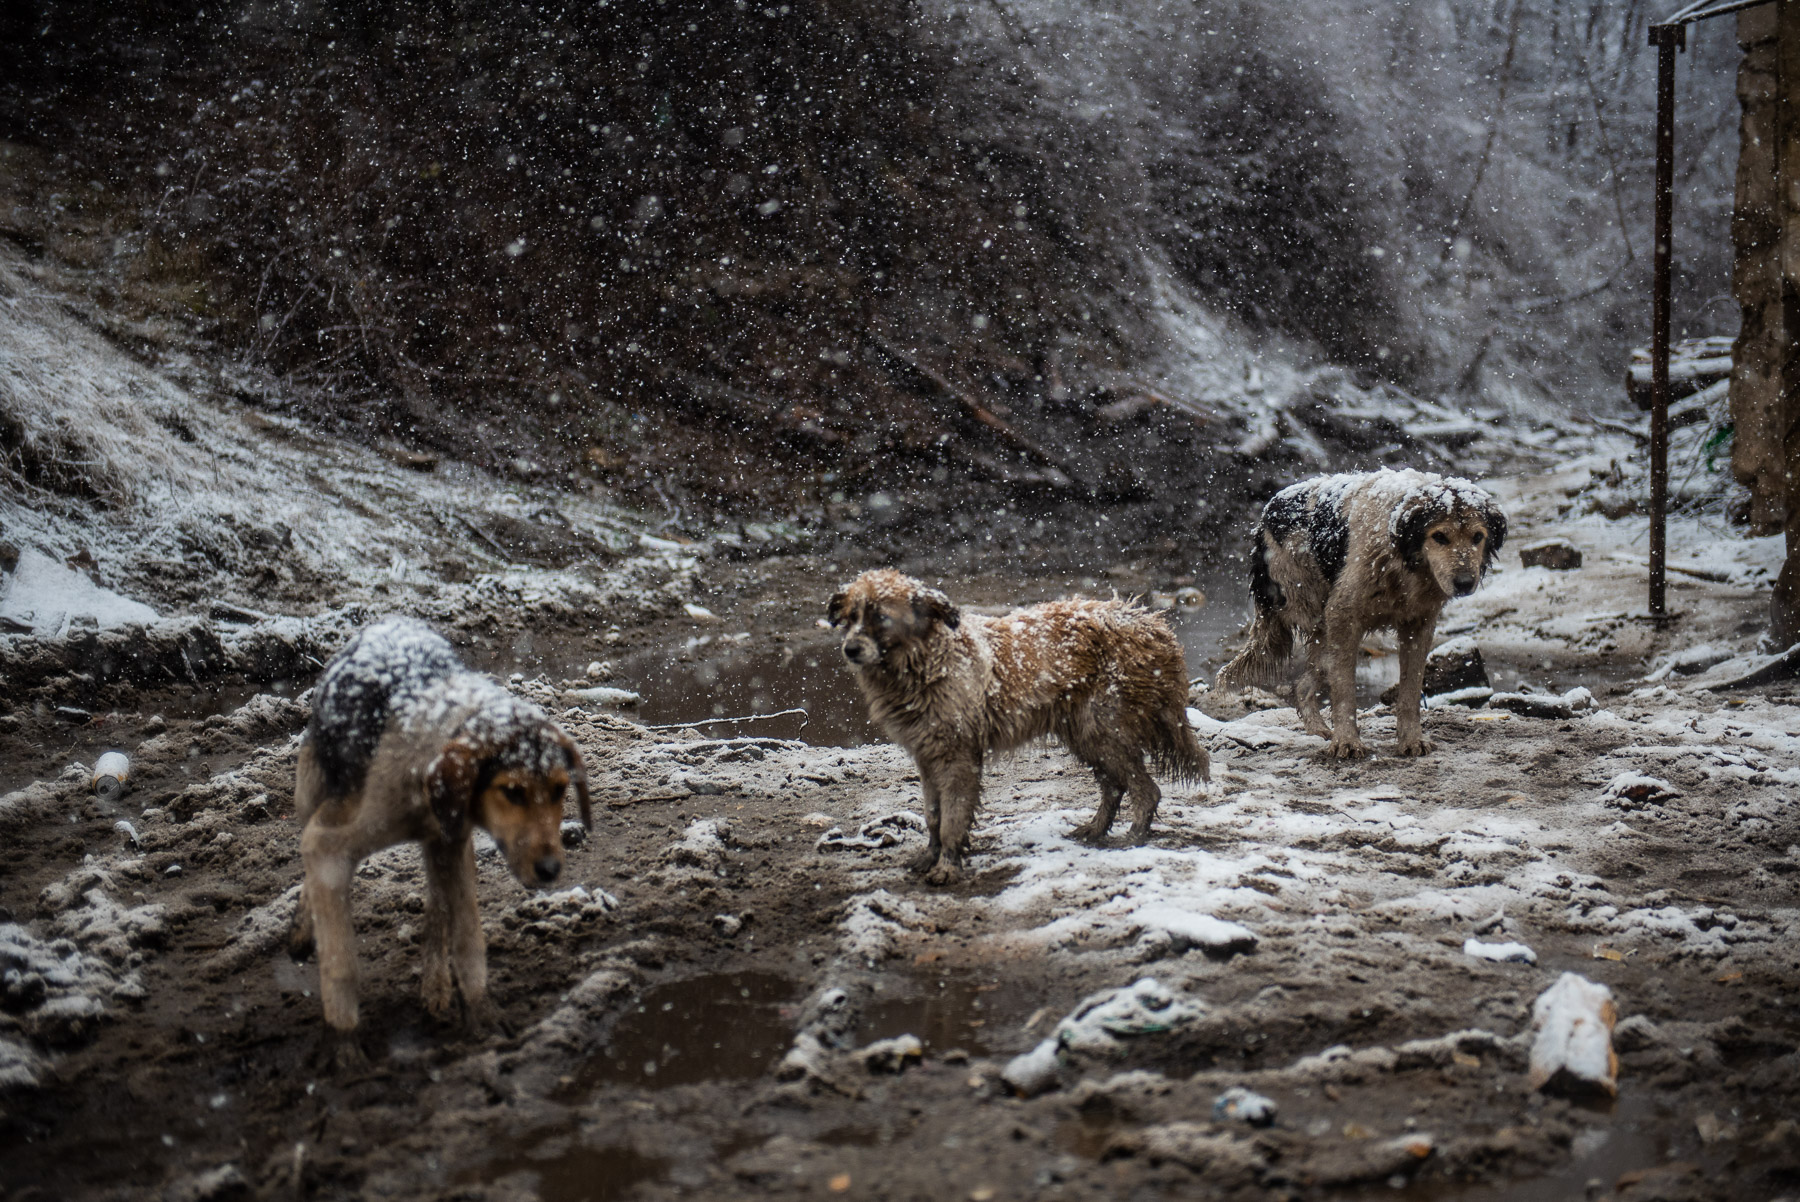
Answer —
1464 585
548 868
855 652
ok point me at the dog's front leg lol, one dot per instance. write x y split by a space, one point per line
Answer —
1306 689
928 788
300 934
435 987
1343 637
959 785
468 948
1415 646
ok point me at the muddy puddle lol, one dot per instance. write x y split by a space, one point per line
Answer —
980 1017
804 690
720 1027
736 1026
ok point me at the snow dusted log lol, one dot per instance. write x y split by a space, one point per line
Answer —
1693 365
1573 1052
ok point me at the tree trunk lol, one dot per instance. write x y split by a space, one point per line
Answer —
1784 606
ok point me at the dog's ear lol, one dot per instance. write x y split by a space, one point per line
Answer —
578 778
450 784
1495 518
1410 525
834 608
929 604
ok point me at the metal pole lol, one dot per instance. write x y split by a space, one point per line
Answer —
1667 39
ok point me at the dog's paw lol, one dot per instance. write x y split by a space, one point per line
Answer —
943 873
1346 749
1089 832
339 1054
1419 746
926 862
300 945
483 1017
437 991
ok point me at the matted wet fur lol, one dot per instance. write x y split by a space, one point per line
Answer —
404 745
1105 677
1335 557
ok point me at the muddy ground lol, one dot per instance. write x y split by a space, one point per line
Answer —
691 1015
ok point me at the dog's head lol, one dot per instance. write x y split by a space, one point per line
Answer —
885 612
1452 532
508 774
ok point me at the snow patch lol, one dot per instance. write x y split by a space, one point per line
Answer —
49 597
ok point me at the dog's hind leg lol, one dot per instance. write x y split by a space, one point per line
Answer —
1111 790
1415 645
1084 733
1119 767
1145 796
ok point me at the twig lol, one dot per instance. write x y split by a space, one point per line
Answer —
1487 148
746 718
1612 159
976 409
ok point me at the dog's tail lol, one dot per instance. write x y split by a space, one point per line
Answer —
1271 638
1263 656
1175 751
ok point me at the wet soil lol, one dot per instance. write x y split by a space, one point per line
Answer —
740 872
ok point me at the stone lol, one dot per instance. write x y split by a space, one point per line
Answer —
1573 1052
1239 1103
1454 666
1033 1072
1499 953
1544 705
1553 553
1636 1034
891 1055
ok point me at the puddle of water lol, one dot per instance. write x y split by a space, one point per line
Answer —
741 682
714 683
980 1017
722 1027
562 1170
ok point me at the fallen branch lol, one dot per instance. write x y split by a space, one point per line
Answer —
980 412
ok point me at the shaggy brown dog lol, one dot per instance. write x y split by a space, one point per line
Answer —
404 745
1105 677
1336 557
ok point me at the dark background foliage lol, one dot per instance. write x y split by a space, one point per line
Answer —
679 234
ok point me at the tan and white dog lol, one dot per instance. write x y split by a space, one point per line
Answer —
1107 678
1335 557
405 745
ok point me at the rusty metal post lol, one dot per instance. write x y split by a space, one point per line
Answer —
1667 39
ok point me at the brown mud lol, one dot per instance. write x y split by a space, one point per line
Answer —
688 1017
